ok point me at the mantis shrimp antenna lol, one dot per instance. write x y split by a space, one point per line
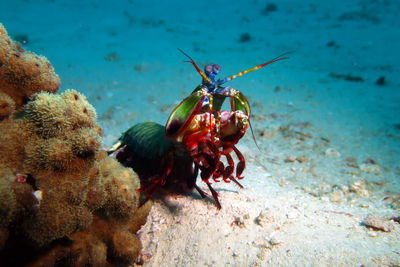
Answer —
280 57
203 75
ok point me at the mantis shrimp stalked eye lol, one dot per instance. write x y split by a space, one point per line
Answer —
198 137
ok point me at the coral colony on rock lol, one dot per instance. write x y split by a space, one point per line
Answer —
63 202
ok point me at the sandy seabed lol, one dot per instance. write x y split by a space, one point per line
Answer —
266 224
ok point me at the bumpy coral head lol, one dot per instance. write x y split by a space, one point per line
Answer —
22 73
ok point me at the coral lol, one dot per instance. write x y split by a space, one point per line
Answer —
103 242
23 73
63 201
7 106
117 183
51 116
7 196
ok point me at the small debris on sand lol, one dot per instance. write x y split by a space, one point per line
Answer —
269 7
290 159
301 159
263 219
336 196
111 57
292 215
360 188
330 152
241 221
274 242
244 38
381 81
346 77
370 168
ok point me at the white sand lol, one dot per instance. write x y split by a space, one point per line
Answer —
265 225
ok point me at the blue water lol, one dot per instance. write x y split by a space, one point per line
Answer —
123 55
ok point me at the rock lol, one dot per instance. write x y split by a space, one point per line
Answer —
290 159
330 152
379 224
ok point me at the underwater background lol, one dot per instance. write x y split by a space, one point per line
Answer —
327 119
